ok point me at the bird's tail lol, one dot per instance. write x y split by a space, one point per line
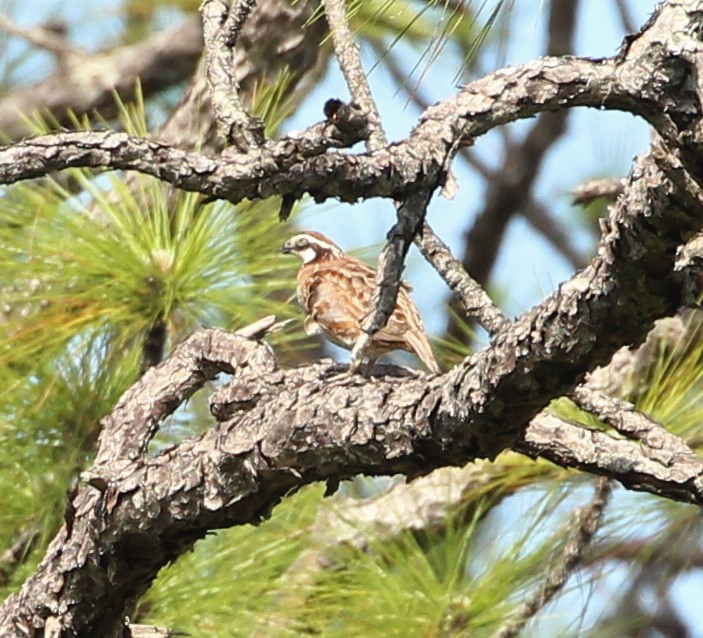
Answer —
421 347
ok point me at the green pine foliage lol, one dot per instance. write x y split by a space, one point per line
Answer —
89 265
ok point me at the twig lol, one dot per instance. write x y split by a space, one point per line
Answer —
349 58
221 27
474 299
411 215
607 187
508 191
623 416
586 523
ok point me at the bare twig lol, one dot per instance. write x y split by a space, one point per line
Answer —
474 299
15 554
411 215
278 36
585 524
508 191
606 187
623 416
349 58
222 24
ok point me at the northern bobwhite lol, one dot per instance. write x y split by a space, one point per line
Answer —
336 289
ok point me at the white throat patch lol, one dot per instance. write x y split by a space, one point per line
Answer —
307 254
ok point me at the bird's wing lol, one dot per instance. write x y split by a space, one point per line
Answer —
337 296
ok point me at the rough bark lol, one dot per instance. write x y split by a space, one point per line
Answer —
277 429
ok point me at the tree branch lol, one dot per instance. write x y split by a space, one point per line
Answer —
349 58
278 37
280 429
222 24
475 301
127 431
157 62
607 187
415 164
628 421
41 37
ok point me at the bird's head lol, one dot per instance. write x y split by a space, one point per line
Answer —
310 246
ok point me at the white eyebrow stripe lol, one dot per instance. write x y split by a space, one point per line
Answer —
316 241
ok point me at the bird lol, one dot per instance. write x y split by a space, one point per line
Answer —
335 290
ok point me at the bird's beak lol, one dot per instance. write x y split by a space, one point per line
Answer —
286 249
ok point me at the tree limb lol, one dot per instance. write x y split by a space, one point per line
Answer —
157 62
475 301
222 24
413 165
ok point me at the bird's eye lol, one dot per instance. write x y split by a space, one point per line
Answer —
301 243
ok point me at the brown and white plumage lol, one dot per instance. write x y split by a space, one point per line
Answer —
336 289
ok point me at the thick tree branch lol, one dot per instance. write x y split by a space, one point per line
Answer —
413 165
636 467
126 432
